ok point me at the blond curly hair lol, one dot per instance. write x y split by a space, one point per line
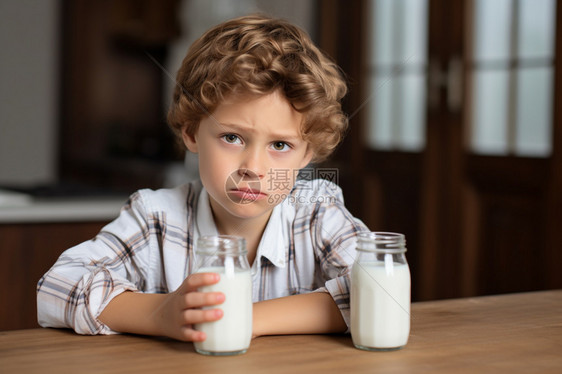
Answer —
257 55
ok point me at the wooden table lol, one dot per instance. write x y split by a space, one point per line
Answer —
516 333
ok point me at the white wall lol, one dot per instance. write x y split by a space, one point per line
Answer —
29 96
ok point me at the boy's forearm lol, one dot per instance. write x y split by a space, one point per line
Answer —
312 313
133 312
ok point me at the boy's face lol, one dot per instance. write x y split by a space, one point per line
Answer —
250 150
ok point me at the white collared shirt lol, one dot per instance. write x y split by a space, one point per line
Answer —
308 245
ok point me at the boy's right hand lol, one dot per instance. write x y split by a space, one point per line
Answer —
180 309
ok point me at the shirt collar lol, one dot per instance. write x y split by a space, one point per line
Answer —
274 243
205 222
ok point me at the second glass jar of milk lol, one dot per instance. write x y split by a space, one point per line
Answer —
380 292
226 256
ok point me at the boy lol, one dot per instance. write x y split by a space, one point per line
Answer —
257 101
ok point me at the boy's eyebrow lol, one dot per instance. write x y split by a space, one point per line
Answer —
241 128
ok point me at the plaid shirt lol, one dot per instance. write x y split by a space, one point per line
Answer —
307 246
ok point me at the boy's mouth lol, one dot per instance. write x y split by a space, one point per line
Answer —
247 194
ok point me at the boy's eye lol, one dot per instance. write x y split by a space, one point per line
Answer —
280 146
231 138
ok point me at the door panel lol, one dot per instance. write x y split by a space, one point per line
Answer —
479 196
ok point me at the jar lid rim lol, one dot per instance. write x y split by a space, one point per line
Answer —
208 244
381 235
381 241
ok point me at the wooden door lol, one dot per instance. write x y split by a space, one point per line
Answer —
510 218
478 219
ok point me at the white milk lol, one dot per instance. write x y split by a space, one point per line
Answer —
233 332
380 305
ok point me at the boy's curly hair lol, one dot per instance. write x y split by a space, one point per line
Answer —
257 54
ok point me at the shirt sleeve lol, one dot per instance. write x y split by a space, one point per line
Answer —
88 276
335 235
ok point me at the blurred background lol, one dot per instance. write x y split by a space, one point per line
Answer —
454 105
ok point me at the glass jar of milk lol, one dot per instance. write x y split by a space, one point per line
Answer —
226 256
380 292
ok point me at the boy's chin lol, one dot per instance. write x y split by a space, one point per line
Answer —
249 209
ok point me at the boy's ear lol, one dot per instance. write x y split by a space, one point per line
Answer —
190 141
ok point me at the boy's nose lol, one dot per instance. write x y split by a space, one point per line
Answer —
248 174
253 166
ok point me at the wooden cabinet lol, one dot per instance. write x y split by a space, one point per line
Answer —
112 131
27 251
